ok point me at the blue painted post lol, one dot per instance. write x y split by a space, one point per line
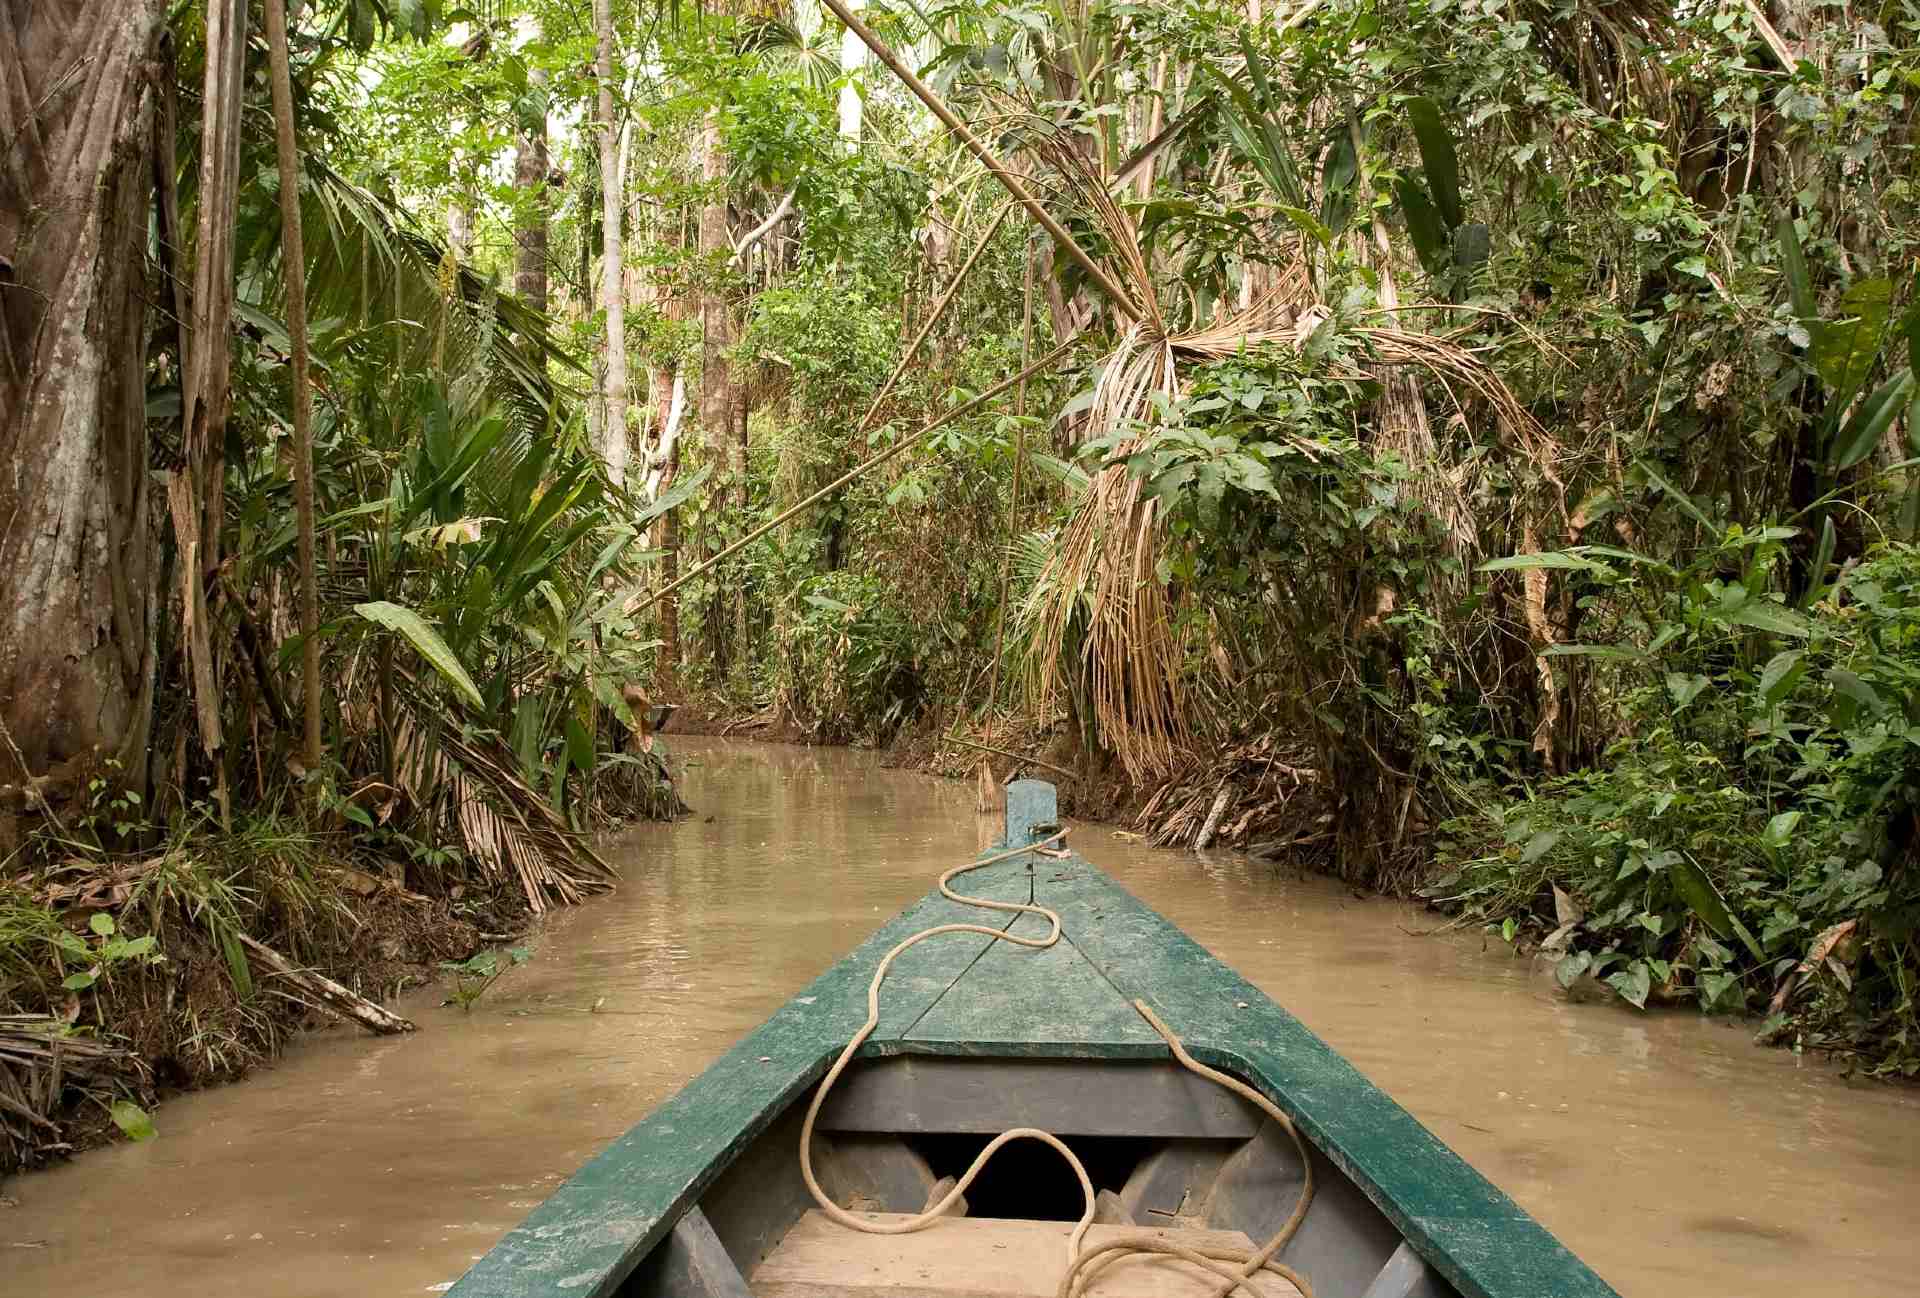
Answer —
1030 803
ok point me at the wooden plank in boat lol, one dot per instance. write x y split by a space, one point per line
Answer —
977 1257
1477 1238
1016 1000
1069 1097
591 1233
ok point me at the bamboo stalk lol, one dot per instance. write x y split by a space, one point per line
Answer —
1013 499
1013 756
293 263
924 93
864 467
933 318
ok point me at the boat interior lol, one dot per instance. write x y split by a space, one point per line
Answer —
1167 1152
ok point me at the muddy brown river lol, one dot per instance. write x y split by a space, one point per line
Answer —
1671 1154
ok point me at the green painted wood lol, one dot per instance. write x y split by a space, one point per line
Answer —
1016 1001
1030 804
588 1237
1475 1236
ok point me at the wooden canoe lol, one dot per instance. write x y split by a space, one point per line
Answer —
704 1199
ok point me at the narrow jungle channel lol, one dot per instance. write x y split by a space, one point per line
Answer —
1671 1154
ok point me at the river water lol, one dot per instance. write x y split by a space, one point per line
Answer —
1668 1152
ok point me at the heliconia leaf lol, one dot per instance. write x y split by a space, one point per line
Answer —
1870 420
426 642
1793 265
1844 350
1423 224
1437 156
1691 882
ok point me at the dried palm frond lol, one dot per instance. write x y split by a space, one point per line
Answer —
1100 600
504 824
42 1064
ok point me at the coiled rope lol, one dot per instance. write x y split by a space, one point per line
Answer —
1234 1267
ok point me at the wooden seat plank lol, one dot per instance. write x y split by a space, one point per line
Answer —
979 1257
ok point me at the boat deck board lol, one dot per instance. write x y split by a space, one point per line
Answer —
1015 1000
977 1257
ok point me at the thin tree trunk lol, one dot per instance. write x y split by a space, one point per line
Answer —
293 263
206 387
78 101
530 177
669 393
719 413
613 432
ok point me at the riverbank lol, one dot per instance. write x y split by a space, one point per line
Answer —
131 979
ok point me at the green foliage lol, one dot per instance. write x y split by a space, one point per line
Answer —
473 976
848 664
1768 794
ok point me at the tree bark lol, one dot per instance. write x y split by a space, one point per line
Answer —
78 99
293 267
613 431
530 177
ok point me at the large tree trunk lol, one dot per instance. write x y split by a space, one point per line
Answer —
719 414
78 94
530 177
613 432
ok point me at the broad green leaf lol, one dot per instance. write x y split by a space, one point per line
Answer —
673 497
1779 830
1746 937
1793 265
1765 615
1546 559
138 947
1870 420
1852 687
1633 983
1844 350
75 982
1822 556
1617 652
426 641
1685 689
1472 246
1680 497
1694 888
1424 225
236 956
101 923
1438 158
1307 223
1568 970
1780 674
579 745
132 1120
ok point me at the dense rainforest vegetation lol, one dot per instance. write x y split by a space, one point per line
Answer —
1470 447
